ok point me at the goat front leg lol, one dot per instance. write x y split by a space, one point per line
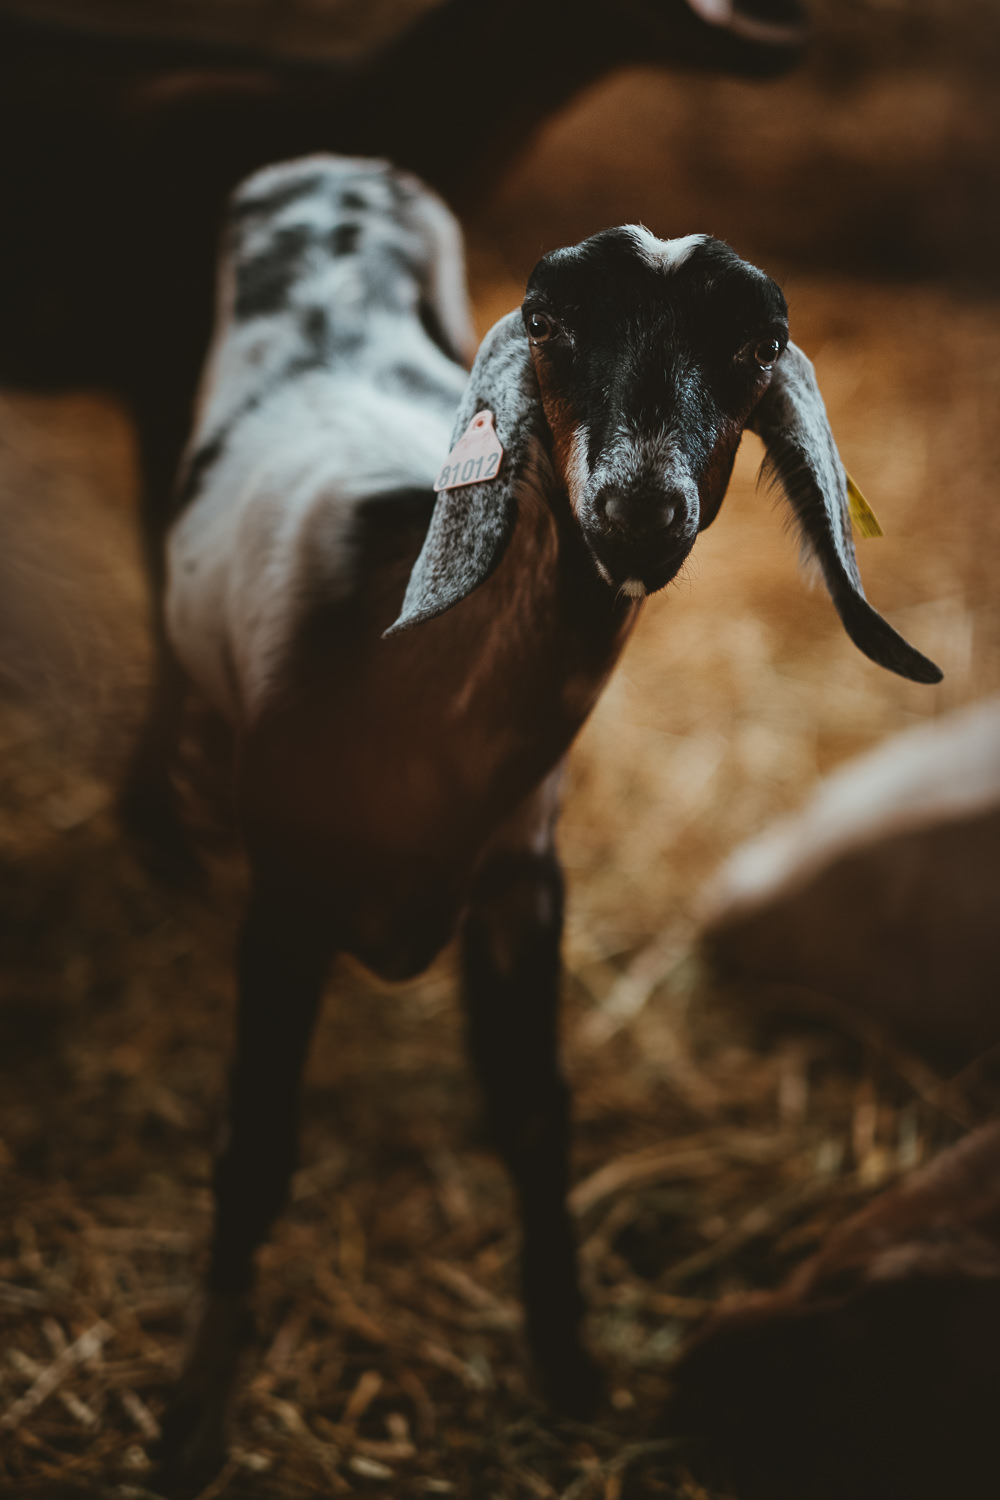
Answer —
283 956
511 972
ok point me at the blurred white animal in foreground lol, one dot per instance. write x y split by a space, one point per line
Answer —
884 891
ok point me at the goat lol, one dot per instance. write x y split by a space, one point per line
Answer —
406 675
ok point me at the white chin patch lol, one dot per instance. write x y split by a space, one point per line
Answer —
634 588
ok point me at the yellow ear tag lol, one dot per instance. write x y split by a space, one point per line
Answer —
863 518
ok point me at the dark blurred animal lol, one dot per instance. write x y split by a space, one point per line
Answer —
405 676
116 157
875 1371
882 891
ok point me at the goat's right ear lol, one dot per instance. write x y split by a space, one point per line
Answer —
802 457
471 526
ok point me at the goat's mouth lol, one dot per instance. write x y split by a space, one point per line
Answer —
638 571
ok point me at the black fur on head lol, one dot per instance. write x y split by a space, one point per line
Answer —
650 355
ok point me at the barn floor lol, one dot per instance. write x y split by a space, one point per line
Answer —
718 1134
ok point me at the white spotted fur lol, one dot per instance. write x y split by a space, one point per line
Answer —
280 498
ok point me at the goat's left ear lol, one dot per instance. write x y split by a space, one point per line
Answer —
802 456
471 526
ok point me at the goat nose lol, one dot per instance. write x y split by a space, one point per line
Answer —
644 514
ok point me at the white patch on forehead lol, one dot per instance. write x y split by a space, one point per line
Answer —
663 255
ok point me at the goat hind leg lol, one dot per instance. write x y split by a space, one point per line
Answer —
511 971
147 802
284 952
148 807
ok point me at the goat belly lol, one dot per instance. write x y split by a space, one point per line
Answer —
389 871
394 913
398 942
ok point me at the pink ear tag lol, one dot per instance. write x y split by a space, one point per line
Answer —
475 457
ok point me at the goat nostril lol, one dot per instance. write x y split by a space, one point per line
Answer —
643 515
612 504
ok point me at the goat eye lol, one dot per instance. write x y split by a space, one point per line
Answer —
766 352
540 327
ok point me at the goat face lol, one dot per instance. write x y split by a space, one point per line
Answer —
650 356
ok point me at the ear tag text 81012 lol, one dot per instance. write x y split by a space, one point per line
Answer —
863 518
475 457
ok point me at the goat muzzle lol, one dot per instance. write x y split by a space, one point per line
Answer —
642 535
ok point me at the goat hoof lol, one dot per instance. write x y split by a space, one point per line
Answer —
195 1426
192 1448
